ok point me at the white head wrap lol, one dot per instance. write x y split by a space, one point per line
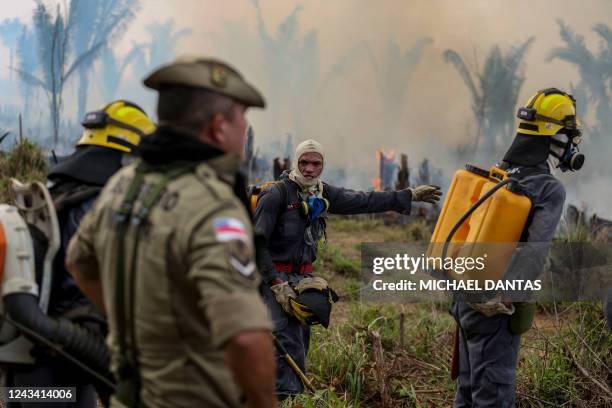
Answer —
314 186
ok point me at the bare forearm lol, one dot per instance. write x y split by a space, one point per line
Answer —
92 288
250 357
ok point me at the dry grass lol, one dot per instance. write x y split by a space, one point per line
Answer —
342 359
25 162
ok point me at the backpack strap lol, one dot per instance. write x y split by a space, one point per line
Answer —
128 388
70 194
325 191
520 173
282 187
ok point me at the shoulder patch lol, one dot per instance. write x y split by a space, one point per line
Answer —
240 257
229 229
246 270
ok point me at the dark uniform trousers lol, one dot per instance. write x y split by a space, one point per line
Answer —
293 335
488 359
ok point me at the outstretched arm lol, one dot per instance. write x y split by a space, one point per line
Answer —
347 201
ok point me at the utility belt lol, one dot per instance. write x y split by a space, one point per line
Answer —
287 267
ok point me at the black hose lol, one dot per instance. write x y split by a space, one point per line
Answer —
471 210
62 335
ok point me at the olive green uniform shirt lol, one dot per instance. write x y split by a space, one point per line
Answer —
196 282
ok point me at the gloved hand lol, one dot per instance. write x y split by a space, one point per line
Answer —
283 292
427 193
318 284
493 307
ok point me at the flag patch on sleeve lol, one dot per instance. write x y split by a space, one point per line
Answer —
229 229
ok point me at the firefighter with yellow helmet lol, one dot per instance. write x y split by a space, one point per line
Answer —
550 116
546 140
120 125
74 183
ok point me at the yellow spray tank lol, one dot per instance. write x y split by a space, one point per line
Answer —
483 217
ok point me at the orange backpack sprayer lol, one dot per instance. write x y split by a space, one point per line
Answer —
478 210
481 218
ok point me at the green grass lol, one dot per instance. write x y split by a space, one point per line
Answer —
331 260
352 226
341 358
550 379
419 231
551 373
342 365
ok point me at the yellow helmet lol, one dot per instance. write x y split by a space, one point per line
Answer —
547 112
120 125
547 115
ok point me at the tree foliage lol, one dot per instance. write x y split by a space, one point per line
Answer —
63 42
494 94
96 24
292 63
158 49
27 58
10 31
595 70
164 39
393 76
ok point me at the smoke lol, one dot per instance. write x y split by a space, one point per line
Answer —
10 31
353 115
96 22
164 37
333 71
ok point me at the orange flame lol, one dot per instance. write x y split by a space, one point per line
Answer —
376 183
385 157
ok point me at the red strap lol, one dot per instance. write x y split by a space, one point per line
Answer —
283 267
288 267
294 206
305 268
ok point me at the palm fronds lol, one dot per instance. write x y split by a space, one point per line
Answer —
595 70
494 93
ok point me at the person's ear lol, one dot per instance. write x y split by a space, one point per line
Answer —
217 129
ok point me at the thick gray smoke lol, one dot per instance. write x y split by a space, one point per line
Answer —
431 79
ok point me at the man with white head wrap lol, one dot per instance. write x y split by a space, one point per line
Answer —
311 184
291 215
